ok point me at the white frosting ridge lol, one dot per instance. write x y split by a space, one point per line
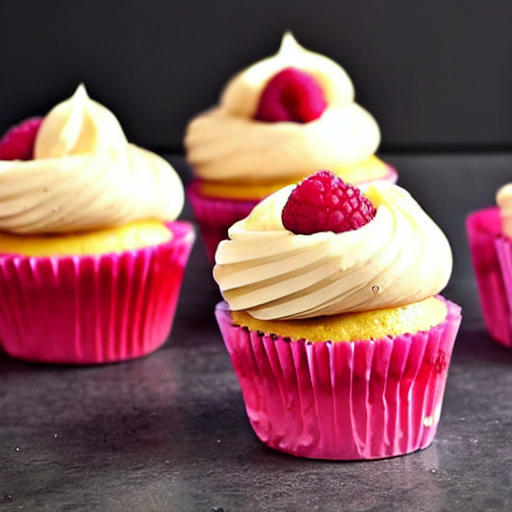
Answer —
398 258
225 142
85 175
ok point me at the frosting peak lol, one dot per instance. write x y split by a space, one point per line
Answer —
79 125
85 175
227 143
241 94
399 257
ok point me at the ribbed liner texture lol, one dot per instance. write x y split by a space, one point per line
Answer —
346 400
489 256
215 216
92 309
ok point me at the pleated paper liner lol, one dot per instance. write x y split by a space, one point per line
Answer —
215 216
484 233
504 252
347 400
92 309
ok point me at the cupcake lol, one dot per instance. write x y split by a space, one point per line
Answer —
276 122
334 321
489 233
91 254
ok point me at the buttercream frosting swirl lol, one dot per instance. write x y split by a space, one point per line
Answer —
226 143
85 175
400 257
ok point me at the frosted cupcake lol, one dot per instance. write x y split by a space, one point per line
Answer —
91 254
276 122
490 233
333 319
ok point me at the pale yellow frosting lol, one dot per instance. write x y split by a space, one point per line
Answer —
85 175
400 257
504 202
226 143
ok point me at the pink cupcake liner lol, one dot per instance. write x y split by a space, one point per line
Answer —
504 253
216 215
92 309
484 235
357 400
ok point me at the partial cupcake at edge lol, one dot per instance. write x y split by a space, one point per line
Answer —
489 233
334 321
275 122
92 255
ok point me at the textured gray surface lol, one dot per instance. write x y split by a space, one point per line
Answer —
169 433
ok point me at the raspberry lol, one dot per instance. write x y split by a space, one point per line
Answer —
291 95
18 142
324 202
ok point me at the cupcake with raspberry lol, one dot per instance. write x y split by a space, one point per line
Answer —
334 321
91 254
276 122
489 233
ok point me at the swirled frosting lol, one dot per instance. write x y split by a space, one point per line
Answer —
226 143
85 175
504 202
398 258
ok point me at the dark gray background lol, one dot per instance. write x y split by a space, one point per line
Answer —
437 75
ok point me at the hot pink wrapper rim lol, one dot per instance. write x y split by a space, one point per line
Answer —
486 244
359 400
92 309
216 215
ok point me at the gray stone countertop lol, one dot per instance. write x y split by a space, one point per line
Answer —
168 432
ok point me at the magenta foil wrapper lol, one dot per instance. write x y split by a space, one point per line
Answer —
92 309
357 400
492 270
216 215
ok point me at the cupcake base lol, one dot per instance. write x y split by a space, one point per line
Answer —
92 309
491 257
359 400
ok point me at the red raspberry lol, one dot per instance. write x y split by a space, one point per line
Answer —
324 202
18 142
291 95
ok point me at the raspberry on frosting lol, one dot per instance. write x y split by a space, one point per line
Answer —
291 95
324 202
18 142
